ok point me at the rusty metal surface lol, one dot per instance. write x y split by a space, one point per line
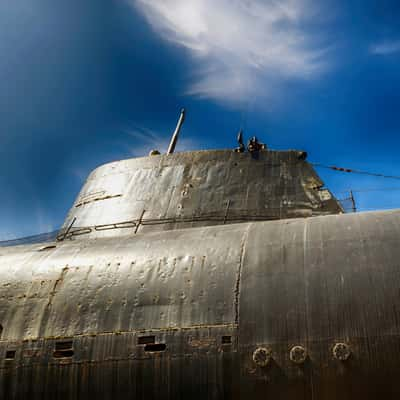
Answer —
198 188
179 314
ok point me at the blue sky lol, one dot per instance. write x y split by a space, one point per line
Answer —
87 82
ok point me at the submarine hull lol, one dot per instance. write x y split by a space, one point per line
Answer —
186 313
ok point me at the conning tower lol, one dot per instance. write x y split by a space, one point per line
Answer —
200 188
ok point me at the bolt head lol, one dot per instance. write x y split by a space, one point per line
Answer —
341 351
262 356
298 354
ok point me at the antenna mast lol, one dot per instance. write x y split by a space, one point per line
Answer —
353 201
174 139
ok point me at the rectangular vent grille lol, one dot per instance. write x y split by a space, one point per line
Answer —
155 347
63 349
226 340
10 354
146 339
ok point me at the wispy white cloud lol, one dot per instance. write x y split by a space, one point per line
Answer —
43 224
5 235
242 47
80 173
147 140
387 47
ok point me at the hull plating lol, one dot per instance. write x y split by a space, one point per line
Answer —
179 314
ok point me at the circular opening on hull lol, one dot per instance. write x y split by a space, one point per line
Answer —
341 351
298 354
262 356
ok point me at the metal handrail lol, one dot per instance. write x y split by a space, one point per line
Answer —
164 221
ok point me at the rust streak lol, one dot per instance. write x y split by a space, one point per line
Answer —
56 284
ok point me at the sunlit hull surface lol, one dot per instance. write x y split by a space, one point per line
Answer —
180 314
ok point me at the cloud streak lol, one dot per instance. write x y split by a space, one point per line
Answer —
148 140
387 47
241 47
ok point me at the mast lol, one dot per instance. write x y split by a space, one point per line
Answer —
174 139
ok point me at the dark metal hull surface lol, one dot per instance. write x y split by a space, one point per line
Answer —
179 314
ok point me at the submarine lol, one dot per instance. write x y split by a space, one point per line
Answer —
214 274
